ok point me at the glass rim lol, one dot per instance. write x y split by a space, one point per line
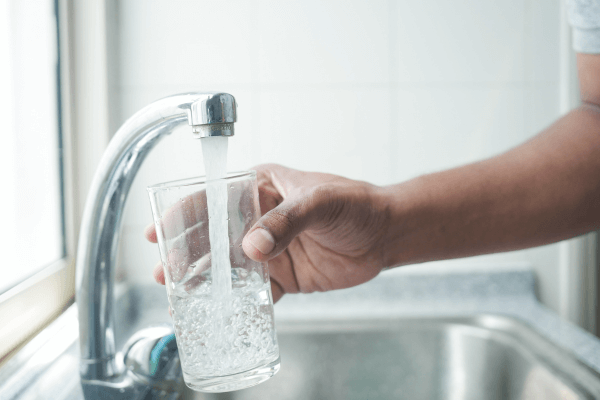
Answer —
199 180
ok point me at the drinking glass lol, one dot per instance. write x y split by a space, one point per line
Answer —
226 338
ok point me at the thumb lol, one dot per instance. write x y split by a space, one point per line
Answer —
276 229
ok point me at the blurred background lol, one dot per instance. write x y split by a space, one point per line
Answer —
378 90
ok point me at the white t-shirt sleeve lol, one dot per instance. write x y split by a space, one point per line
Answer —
584 17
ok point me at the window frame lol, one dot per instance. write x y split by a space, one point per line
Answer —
39 299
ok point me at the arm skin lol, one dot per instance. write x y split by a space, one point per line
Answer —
323 232
543 191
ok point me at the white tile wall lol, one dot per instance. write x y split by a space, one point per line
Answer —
186 42
467 41
541 106
380 90
341 131
315 42
542 40
440 127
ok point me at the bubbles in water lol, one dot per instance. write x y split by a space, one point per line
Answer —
225 336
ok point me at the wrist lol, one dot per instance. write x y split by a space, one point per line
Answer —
387 204
405 206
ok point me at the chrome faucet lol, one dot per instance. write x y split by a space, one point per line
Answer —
135 373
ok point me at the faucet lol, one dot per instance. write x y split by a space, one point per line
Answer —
149 367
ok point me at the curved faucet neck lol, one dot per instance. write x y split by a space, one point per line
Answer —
100 227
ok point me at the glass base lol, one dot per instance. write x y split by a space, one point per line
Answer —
228 383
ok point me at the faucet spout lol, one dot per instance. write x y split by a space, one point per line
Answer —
209 114
213 117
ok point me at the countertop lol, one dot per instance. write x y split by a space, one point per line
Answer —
471 291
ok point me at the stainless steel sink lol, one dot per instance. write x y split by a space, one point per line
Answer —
486 357
481 357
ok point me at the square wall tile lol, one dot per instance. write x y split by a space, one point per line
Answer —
542 106
131 99
469 41
440 128
312 41
542 33
186 41
344 132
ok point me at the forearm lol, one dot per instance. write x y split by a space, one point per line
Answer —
546 190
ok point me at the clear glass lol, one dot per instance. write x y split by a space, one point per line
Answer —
225 342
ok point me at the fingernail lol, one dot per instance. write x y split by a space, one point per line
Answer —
262 240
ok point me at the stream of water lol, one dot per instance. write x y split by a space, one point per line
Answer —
214 150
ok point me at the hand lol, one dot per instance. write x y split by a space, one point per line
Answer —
184 231
318 231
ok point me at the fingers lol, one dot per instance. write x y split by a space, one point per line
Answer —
188 212
159 277
274 231
159 273
150 233
277 228
186 251
182 263
276 291
189 247
291 202
184 214
200 266
281 181
180 217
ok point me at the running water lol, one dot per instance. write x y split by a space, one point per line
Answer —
217 338
222 329
214 150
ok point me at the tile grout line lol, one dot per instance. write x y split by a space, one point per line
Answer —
255 89
528 29
393 91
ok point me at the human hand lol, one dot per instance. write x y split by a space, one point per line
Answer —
318 231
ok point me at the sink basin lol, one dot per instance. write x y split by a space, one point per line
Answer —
480 356
486 357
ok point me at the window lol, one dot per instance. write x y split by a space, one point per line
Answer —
37 275
32 235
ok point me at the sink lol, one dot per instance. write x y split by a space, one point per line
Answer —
488 353
479 357
485 357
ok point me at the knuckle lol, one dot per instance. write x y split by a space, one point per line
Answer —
322 194
324 198
265 168
329 203
283 219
